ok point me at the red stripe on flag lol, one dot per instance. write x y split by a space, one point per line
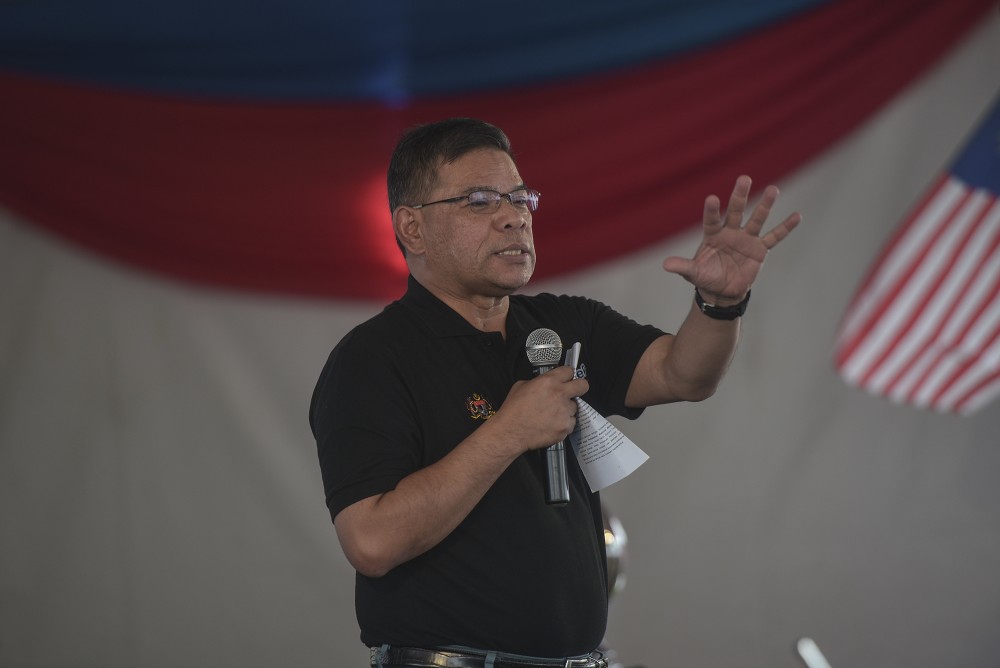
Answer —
952 269
864 299
884 287
967 354
961 351
951 327
931 356
964 352
944 399
908 324
952 365
980 394
924 328
890 247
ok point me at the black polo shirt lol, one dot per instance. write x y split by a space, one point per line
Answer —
402 390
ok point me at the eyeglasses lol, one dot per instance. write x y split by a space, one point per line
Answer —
488 201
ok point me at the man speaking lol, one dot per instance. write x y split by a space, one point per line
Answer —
432 429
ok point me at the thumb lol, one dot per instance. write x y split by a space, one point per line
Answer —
679 265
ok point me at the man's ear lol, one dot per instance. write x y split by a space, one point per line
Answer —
408 225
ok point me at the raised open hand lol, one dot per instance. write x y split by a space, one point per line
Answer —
731 254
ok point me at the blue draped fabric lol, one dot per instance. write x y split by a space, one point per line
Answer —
387 51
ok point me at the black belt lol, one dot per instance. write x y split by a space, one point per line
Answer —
414 657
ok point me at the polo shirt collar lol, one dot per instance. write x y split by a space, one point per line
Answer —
441 319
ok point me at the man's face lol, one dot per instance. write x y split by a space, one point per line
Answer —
472 254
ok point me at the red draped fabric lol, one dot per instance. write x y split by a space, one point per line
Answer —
290 198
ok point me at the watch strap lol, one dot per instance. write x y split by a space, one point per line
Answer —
721 312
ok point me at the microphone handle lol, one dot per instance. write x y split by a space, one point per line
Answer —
556 478
556 475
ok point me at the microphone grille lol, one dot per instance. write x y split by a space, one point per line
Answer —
543 347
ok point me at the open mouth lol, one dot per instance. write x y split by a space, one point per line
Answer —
514 251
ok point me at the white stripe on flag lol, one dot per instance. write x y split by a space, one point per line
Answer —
966 363
920 314
925 327
966 385
900 257
904 278
968 304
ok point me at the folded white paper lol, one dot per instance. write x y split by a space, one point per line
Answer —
605 454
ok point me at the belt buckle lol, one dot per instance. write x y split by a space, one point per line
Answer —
376 655
590 662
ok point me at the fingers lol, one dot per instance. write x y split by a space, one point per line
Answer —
565 382
723 233
541 411
772 238
577 388
758 217
712 217
556 408
738 202
570 387
561 373
760 212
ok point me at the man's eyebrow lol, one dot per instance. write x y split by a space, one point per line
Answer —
472 189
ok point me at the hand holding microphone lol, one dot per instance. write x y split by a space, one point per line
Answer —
544 350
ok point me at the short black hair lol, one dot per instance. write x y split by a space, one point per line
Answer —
413 166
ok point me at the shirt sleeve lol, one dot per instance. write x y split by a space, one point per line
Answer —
364 423
616 345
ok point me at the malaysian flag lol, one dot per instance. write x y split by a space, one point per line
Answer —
924 327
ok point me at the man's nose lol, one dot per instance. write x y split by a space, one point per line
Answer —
512 216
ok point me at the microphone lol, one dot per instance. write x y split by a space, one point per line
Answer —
544 349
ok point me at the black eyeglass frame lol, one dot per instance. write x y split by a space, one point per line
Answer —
533 197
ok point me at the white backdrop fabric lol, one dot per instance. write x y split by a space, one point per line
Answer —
161 504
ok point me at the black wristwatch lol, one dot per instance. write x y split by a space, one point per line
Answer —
721 312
